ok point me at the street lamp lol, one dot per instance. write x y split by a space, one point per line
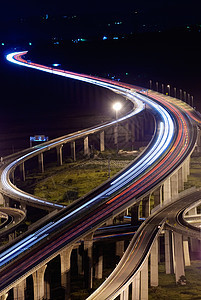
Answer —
168 86
157 86
116 106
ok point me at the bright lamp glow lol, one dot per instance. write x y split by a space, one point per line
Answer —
117 106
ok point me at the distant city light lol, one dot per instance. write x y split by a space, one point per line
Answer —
105 38
115 38
30 44
56 65
2 44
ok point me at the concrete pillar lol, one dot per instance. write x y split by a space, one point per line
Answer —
11 236
144 281
154 264
79 261
193 211
65 270
168 252
38 282
146 207
125 294
188 165
132 133
195 245
73 155
1 199
119 248
127 132
184 170
135 214
99 264
23 206
179 256
136 287
167 191
174 185
22 171
102 141
109 222
59 155
4 297
137 130
180 180
19 291
187 260
47 288
115 134
88 261
157 196
86 146
41 162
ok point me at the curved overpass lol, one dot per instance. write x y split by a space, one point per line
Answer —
174 140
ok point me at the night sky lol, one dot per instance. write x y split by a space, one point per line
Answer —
162 11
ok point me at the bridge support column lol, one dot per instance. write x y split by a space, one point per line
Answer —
99 264
154 264
86 146
136 287
102 141
135 214
132 133
41 162
119 248
88 261
144 281
65 271
73 155
168 252
178 255
195 245
125 294
174 185
4 297
19 291
38 282
167 191
180 180
22 171
185 171
187 260
146 207
157 196
59 155
127 132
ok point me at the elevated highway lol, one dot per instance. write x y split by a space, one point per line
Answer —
173 142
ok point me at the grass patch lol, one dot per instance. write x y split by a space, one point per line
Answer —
168 289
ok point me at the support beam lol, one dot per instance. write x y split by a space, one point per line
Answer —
180 180
65 256
144 281
102 141
136 287
135 215
22 171
99 263
19 291
86 146
179 256
168 252
125 294
88 261
59 155
187 261
38 282
174 185
154 264
146 207
157 196
73 153
41 162
119 248
167 191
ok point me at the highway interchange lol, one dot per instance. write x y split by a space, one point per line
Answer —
174 140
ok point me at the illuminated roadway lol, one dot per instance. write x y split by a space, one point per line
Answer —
172 143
